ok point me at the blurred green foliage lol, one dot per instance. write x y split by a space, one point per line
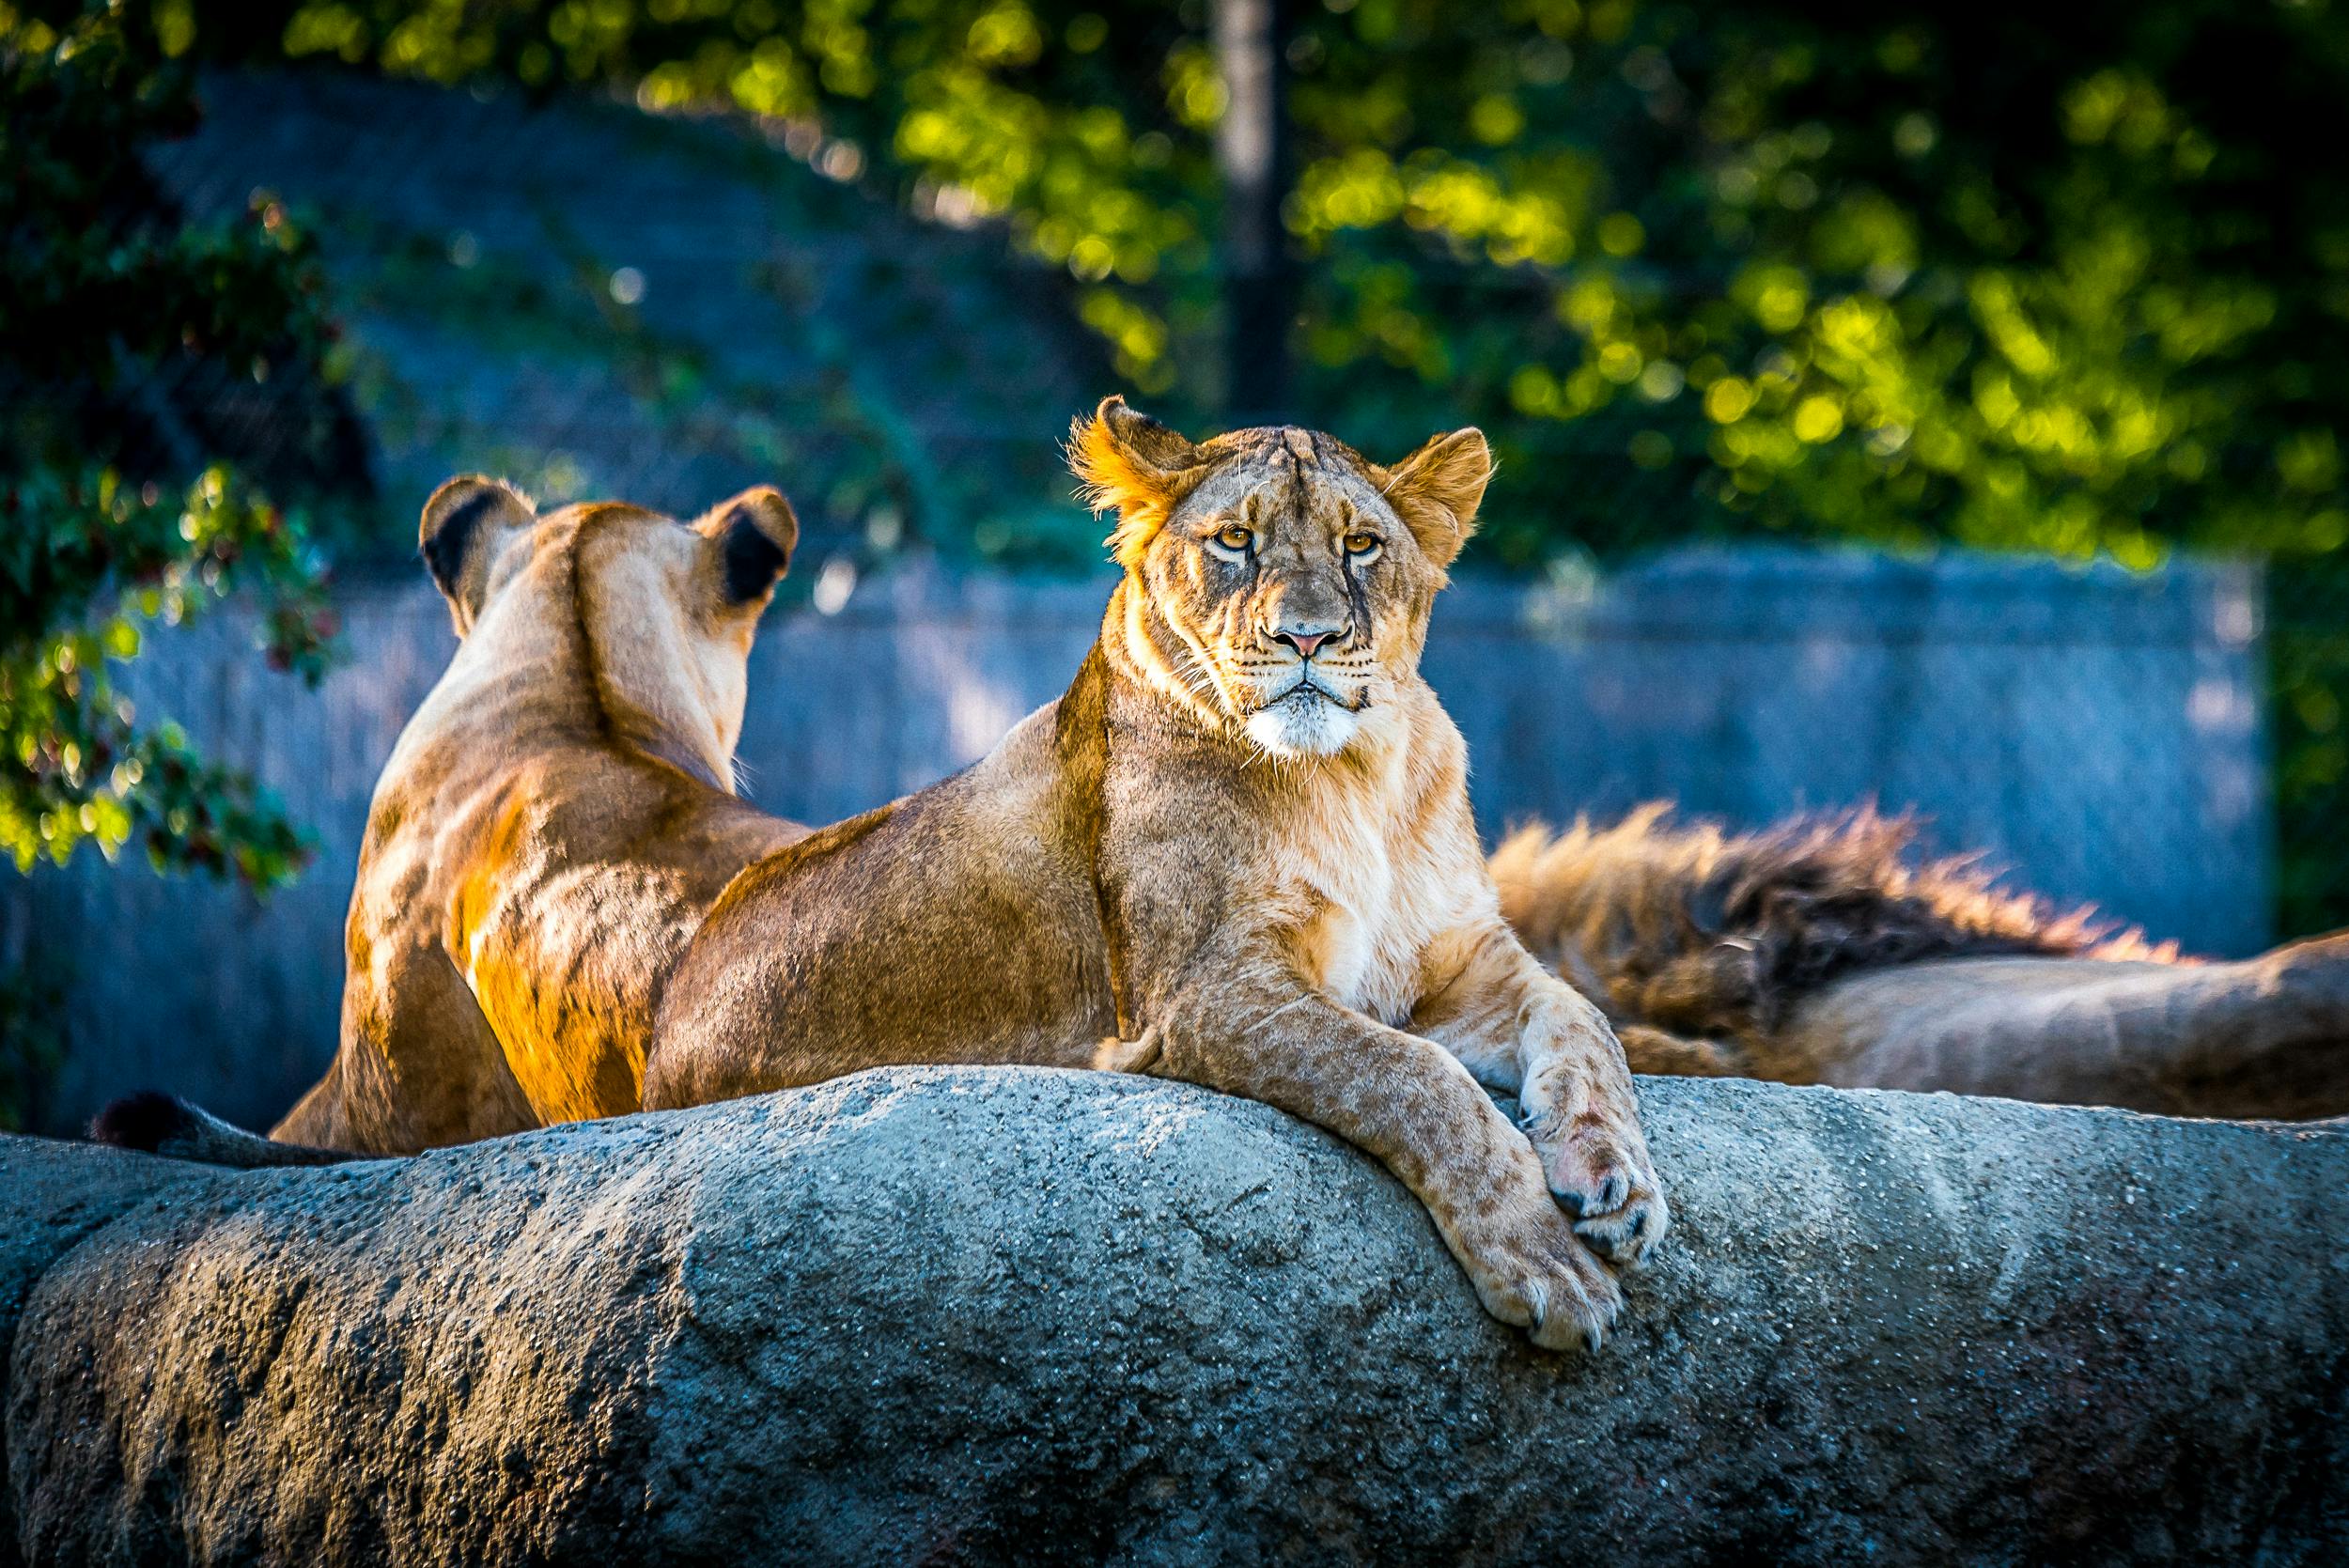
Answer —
2067 279
1924 273
33 1038
125 331
83 564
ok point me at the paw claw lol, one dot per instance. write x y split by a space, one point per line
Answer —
1534 1273
1601 1177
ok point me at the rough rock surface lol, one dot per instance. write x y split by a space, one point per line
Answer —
968 1316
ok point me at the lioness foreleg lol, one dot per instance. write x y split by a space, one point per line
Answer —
1522 1030
1259 1032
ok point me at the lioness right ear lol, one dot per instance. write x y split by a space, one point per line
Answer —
1437 489
1132 464
463 523
754 533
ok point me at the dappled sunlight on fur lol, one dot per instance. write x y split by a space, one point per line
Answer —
551 825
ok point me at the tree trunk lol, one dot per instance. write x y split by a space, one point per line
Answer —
1252 150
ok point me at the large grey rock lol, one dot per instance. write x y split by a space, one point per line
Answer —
956 1315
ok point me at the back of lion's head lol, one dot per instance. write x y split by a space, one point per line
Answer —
1284 579
644 621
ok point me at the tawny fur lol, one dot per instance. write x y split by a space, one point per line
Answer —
552 824
1686 928
557 821
1219 857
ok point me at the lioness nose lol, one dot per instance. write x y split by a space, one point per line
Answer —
1305 639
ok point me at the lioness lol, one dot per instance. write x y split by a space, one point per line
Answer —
1237 852
552 824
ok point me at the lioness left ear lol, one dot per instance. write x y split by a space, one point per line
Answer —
755 533
1436 490
464 523
1135 466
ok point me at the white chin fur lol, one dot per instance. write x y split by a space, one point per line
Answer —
1302 726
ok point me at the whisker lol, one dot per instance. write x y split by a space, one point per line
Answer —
1298 1000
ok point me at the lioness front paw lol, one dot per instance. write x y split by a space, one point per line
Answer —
1599 1172
1535 1274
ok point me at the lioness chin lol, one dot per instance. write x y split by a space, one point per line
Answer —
1238 852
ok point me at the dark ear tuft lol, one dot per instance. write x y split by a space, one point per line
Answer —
443 548
756 532
754 562
140 1121
457 521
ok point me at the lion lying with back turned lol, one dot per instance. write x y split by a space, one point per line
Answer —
1823 951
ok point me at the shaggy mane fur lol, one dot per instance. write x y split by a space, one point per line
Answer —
1716 935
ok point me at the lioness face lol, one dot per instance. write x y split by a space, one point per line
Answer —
1284 580
665 610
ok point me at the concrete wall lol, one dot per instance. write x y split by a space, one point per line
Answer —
2099 733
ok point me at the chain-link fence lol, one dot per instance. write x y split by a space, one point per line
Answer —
596 302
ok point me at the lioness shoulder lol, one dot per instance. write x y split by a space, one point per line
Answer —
551 825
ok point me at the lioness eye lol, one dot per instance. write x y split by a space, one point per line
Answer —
1360 544
1234 536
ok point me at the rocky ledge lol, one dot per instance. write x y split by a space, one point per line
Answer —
967 1316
